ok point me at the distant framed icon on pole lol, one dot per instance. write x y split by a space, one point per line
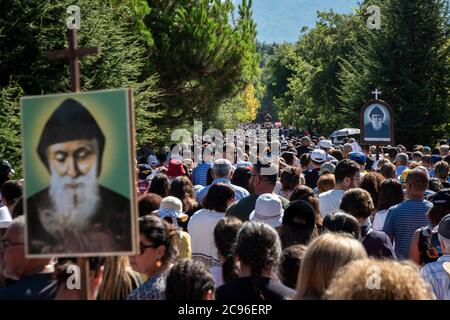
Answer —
377 123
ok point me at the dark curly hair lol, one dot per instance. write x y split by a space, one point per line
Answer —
225 237
290 178
258 246
371 182
188 280
181 187
241 177
160 233
358 203
290 263
342 222
303 192
218 196
148 202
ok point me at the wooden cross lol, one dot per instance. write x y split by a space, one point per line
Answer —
376 93
73 53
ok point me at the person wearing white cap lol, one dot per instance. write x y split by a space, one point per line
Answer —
318 157
171 210
326 146
268 209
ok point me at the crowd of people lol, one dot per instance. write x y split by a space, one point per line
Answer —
328 222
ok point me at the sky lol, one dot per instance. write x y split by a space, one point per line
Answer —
282 20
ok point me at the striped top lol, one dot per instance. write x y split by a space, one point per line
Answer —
435 274
403 220
200 172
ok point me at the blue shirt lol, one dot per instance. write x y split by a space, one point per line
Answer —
399 170
239 192
152 289
435 274
200 173
403 220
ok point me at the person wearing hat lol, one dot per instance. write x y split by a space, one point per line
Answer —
326 146
152 161
144 172
298 224
222 172
318 158
75 214
426 150
268 209
171 210
360 158
327 168
263 179
175 169
376 128
6 171
437 274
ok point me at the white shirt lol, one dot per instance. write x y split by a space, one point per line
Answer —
5 217
435 274
330 201
380 217
201 229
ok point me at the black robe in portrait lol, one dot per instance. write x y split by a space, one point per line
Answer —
383 133
109 229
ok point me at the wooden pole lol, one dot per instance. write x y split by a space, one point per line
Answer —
85 293
73 54
74 61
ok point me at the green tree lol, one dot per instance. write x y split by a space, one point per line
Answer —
10 125
29 29
202 57
408 59
307 94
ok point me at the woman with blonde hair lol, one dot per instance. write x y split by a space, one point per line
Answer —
118 279
324 257
371 279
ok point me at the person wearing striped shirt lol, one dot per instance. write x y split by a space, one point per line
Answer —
437 274
200 173
405 218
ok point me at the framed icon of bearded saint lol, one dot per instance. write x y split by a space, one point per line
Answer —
78 155
377 123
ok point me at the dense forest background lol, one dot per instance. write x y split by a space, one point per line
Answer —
200 60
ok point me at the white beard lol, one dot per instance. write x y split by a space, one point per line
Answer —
74 206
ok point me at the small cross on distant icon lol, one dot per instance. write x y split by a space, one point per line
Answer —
376 93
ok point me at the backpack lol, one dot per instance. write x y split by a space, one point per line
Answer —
429 247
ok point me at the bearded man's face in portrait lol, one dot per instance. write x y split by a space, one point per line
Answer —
377 121
74 185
